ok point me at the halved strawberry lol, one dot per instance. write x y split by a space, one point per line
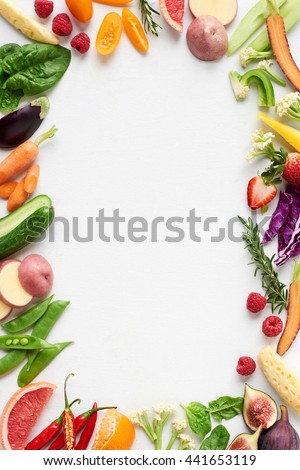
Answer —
259 194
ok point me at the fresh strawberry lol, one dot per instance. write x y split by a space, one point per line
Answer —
291 172
259 194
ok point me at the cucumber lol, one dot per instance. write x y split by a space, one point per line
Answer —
25 225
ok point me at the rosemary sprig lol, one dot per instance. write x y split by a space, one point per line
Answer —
277 294
147 17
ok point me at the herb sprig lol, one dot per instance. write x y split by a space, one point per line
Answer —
277 294
147 17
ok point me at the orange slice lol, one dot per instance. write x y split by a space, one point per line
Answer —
116 432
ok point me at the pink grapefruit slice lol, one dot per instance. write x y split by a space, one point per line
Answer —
21 413
172 11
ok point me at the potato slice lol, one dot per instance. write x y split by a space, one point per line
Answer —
224 11
27 25
5 310
11 290
282 378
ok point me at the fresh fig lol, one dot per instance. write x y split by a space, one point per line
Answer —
258 409
281 436
246 441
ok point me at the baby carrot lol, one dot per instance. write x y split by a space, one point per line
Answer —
22 156
7 188
17 197
31 178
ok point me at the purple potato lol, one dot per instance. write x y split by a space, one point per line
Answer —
18 126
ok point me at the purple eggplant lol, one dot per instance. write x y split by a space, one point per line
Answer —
19 125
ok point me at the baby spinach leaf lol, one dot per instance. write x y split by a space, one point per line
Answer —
5 51
35 67
225 407
198 418
217 440
9 99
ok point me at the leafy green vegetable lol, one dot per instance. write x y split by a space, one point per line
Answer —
225 408
35 67
199 418
4 51
217 440
9 99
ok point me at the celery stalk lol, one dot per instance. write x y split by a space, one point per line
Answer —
290 12
251 22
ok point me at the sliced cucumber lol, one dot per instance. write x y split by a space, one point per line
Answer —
11 221
26 231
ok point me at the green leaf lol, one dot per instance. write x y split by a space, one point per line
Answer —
35 67
199 418
5 51
225 407
9 99
217 440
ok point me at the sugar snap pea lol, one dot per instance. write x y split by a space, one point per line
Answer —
44 325
11 360
41 361
28 318
23 342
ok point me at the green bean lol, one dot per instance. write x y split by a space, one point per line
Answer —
44 325
11 360
23 342
28 318
41 361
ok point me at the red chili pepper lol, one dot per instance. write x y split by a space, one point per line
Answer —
68 424
79 423
88 430
48 433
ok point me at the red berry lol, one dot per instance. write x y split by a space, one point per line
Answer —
61 25
272 326
81 42
245 366
259 194
43 8
291 171
256 302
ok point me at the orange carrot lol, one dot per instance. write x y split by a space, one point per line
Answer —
22 156
17 197
32 178
7 188
280 45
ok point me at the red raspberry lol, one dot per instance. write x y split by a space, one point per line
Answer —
81 42
43 8
256 302
272 326
61 25
245 366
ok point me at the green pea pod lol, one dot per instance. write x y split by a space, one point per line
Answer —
41 361
28 318
23 342
11 360
44 325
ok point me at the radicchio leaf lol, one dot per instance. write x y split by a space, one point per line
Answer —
279 217
291 250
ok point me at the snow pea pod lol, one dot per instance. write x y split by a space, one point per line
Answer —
23 342
44 325
28 318
42 360
11 360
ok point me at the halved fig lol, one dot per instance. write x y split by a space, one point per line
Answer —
246 441
259 409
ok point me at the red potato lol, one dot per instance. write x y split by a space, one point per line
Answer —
207 38
11 291
5 310
224 11
36 275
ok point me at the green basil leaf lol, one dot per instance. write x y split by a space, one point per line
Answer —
198 418
5 51
225 407
217 440
9 99
35 67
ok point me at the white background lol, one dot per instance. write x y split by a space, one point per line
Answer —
153 135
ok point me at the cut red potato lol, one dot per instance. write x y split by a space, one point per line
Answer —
224 11
11 290
5 310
